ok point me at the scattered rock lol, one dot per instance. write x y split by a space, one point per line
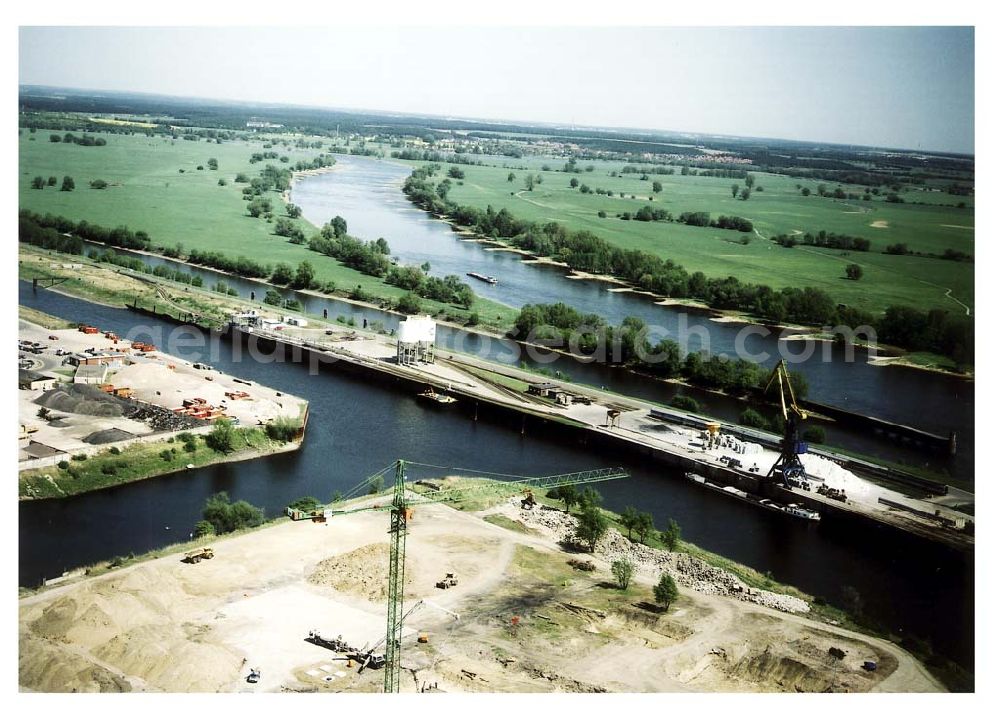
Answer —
687 570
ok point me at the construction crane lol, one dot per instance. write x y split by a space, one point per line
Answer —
788 466
400 511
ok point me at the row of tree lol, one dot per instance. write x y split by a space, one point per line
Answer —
829 240
83 140
561 326
585 251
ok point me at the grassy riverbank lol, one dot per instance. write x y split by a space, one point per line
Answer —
779 208
41 318
141 461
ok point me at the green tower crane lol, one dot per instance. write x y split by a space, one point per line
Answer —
403 501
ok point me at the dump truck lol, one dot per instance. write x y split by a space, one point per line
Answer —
197 555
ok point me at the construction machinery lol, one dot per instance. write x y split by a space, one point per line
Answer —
198 555
528 501
788 469
449 580
367 656
400 511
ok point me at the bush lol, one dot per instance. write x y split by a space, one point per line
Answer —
592 526
752 418
203 528
409 303
64 465
225 517
306 503
114 450
80 457
623 570
665 591
222 438
814 434
683 402
282 429
671 537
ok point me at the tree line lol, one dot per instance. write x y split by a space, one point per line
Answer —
83 140
585 251
561 326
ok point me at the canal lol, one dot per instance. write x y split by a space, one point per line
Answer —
913 587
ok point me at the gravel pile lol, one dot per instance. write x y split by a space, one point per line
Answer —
687 570
83 399
103 437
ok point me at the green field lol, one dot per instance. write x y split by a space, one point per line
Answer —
147 192
779 208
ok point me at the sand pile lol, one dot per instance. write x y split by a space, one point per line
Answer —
363 572
51 668
138 623
165 659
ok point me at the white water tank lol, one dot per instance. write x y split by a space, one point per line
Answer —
413 330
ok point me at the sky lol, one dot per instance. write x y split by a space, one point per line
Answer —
898 87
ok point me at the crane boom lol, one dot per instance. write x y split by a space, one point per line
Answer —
788 465
399 511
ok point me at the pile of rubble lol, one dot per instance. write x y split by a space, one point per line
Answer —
687 570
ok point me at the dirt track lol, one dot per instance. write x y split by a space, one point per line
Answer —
528 622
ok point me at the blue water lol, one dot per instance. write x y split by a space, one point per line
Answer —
357 428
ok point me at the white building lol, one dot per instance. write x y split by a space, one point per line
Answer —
415 340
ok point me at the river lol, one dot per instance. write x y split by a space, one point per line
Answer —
367 192
357 428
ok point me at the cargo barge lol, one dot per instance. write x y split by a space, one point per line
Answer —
792 509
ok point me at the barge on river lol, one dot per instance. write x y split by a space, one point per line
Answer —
792 509
483 277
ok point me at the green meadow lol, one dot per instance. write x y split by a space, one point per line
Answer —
147 191
780 208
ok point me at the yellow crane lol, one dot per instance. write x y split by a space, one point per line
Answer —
400 510
788 466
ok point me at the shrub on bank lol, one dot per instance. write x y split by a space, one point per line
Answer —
683 402
282 429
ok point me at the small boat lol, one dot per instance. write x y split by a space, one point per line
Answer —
430 395
483 277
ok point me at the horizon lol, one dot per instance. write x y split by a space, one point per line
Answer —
551 125
911 103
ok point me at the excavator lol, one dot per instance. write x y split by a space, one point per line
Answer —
788 469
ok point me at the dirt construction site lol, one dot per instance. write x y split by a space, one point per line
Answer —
520 619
